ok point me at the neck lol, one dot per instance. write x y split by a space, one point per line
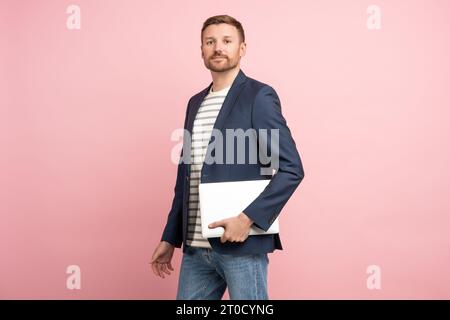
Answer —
224 79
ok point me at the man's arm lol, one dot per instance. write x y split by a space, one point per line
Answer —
173 231
266 114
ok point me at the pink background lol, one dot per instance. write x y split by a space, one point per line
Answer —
86 117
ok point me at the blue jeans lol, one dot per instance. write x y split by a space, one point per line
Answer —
205 275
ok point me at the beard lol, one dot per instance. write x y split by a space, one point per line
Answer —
220 65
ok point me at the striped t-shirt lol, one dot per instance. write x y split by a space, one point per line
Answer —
201 134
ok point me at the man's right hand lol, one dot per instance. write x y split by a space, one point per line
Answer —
161 260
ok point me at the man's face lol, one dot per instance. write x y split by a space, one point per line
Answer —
221 47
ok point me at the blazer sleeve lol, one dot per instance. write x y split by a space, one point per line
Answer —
173 231
266 114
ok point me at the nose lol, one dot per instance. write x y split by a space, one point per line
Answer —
218 48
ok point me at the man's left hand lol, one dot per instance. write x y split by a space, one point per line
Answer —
237 228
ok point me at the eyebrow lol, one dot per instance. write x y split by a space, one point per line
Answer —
214 38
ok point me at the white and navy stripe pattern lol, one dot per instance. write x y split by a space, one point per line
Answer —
201 134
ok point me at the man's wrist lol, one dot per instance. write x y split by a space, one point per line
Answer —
245 218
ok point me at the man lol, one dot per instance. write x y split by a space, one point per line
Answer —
232 101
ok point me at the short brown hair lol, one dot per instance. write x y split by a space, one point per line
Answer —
224 19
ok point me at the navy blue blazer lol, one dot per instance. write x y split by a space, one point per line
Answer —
248 104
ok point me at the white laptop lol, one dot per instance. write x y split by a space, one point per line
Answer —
222 200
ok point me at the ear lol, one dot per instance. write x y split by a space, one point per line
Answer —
243 49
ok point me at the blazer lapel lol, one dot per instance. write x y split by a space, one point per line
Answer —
225 110
229 101
195 106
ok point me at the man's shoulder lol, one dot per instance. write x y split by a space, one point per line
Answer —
198 94
254 86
